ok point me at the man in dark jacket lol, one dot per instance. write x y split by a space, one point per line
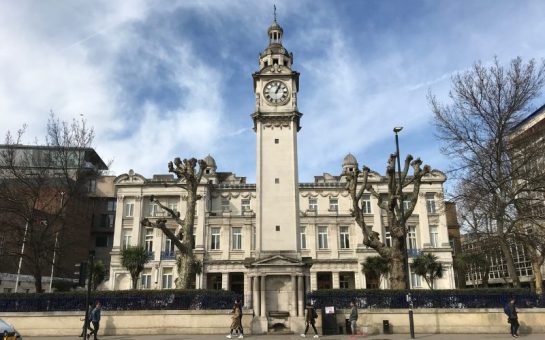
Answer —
513 318
95 319
310 319
353 318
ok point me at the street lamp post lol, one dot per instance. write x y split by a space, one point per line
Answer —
403 226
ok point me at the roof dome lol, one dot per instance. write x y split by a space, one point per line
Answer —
275 26
350 160
210 161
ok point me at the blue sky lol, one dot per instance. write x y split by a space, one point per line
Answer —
161 79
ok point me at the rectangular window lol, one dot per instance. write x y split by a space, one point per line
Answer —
322 238
168 246
225 204
236 239
276 180
92 185
313 203
245 204
344 237
101 241
127 234
366 204
154 210
145 281
111 205
387 237
416 280
434 236
430 203
148 240
452 246
303 237
411 237
215 239
129 209
172 205
333 204
276 141
167 278
406 205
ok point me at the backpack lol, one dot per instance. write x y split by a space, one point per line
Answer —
506 309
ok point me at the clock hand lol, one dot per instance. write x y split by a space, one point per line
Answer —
277 88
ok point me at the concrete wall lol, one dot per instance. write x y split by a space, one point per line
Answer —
128 322
217 322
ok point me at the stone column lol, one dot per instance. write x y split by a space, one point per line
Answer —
247 291
313 282
225 281
293 304
300 295
204 282
263 292
335 280
257 298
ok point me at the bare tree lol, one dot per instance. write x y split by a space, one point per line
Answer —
42 197
487 102
390 204
190 178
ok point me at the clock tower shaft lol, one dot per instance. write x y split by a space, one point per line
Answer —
276 123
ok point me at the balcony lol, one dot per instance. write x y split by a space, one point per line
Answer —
168 255
151 255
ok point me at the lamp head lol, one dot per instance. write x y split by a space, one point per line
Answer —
398 129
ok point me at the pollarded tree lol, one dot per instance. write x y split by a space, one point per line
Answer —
487 102
389 203
427 266
376 266
190 178
134 259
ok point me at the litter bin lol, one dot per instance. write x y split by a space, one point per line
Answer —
386 326
329 321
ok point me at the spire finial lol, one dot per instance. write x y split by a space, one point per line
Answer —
274 13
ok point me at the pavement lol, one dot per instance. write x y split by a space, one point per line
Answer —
309 336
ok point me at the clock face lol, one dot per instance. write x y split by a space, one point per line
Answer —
276 92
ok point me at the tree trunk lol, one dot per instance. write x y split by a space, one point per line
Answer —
397 272
38 283
185 264
134 282
511 270
537 261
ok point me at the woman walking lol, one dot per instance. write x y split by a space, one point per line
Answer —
236 321
310 319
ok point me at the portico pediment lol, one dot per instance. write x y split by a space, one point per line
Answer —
275 261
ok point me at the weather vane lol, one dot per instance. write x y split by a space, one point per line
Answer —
274 12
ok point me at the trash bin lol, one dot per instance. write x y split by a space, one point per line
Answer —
348 326
329 321
386 326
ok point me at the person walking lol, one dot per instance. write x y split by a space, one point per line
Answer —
236 321
310 319
95 319
513 318
353 318
86 322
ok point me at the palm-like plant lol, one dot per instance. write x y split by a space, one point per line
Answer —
427 266
376 266
134 259
99 274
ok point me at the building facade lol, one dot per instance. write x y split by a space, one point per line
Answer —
274 240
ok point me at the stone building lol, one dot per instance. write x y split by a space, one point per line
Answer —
274 240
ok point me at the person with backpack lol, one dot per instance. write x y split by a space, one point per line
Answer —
95 319
310 319
512 317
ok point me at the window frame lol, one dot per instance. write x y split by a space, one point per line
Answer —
215 238
323 242
344 237
236 238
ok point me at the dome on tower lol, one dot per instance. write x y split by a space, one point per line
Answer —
350 160
275 27
210 161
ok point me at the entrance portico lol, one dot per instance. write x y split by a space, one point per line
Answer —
277 291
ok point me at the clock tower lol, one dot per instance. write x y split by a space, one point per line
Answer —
276 123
